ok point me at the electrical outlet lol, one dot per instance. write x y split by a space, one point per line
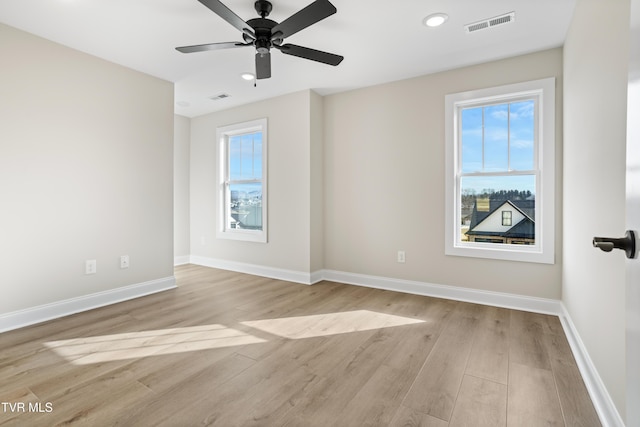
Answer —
90 266
124 261
401 257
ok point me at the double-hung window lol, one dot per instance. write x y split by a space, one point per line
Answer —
242 181
500 172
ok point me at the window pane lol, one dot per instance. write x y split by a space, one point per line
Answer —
496 138
483 201
506 217
471 139
235 157
245 206
257 155
521 135
245 156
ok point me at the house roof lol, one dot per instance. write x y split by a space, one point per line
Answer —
523 229
526 207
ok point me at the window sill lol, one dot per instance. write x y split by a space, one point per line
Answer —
501 252
243 235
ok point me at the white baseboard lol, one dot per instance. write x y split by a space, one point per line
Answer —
257 270
497 299
517 302
606 409
181 260
317 276
42 313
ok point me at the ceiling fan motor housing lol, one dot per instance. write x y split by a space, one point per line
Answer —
262 29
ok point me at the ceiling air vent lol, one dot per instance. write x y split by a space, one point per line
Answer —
491 22
219 97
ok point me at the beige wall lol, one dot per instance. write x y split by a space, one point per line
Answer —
289 183
385 175
181 204
317 182
85 173
595 68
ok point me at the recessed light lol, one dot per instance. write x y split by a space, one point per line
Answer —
435 19
248 76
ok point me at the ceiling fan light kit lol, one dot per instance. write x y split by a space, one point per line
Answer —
264 34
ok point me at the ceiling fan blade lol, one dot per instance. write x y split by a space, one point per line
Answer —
211 46
312 54
316 11
225 13
263 65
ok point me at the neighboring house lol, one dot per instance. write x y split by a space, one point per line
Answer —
506 221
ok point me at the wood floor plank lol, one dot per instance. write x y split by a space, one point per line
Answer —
344 380
526 340
577 408
172 396
14 415
378 400
407 417
532 397
489 358
328 300
243 397
84 405
435 388
480 403
43 363
230 349
267 403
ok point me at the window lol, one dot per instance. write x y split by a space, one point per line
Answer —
506 218
242 181
500 170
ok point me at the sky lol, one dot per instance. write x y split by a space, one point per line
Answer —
498 138
245 156
245 161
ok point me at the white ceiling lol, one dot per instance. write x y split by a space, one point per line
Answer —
381 41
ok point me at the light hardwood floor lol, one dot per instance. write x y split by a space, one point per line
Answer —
231 349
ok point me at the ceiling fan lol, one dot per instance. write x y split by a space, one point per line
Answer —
265 33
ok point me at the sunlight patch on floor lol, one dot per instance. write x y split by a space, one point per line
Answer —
318 325
131 345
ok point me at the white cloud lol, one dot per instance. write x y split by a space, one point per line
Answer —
499 114
521 143
521 110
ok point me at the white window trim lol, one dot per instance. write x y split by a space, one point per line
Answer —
222 140
544 249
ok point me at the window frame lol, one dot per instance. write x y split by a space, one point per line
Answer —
223 135
543 251
507 219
